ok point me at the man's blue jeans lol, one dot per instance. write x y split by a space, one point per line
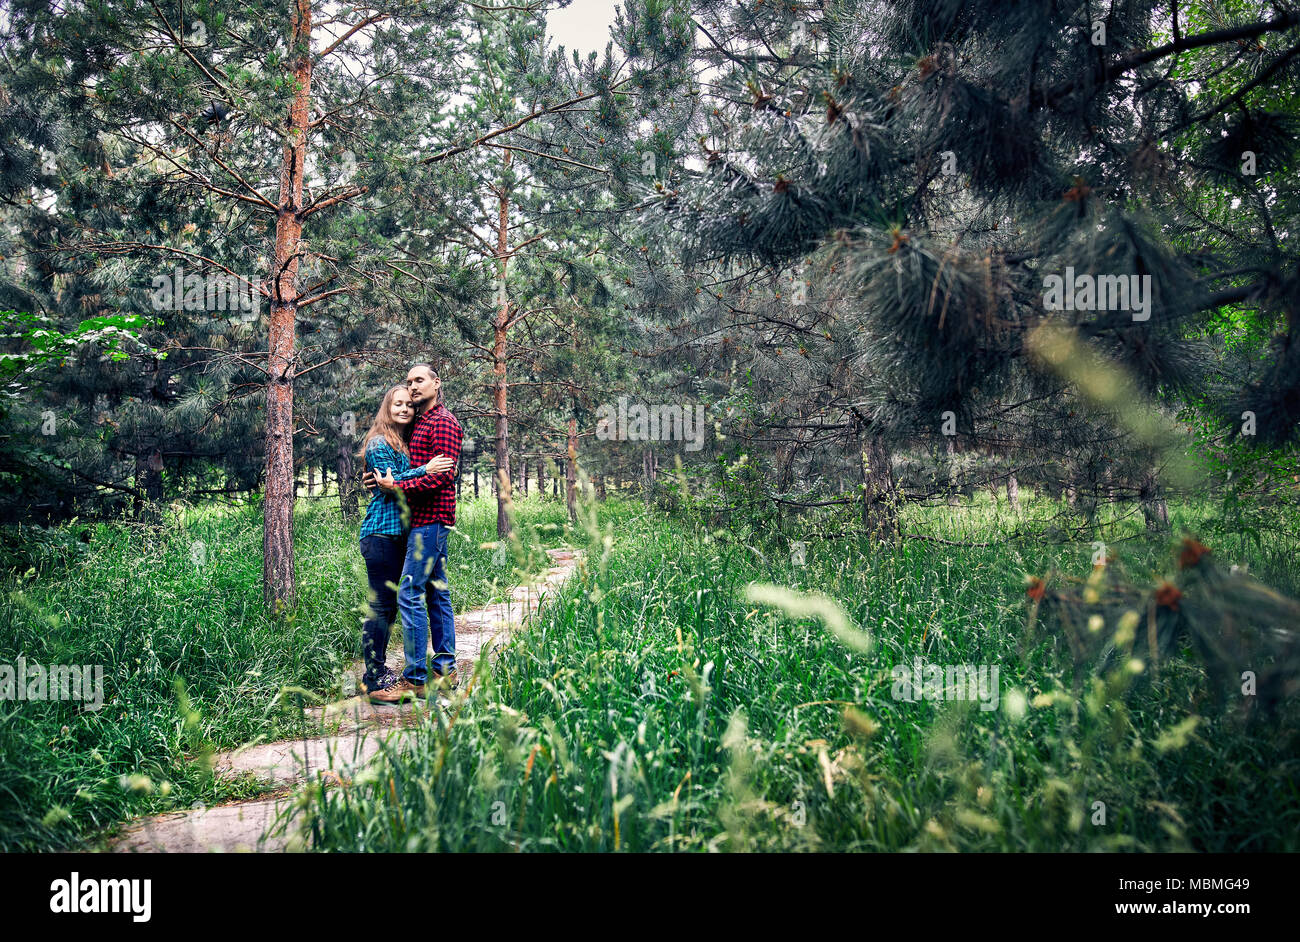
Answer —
424 580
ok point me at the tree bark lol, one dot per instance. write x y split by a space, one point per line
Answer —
785 465
541 477
1154 509
148 483
879 494
649 472
1013 492
147 501
571 470
499 327
347 483
953 500
279 583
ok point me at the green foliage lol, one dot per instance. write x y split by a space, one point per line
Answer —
43 549
182 605
652 709
40 343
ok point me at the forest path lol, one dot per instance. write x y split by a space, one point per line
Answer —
344 737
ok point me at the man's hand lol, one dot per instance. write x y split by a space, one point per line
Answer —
368 481
386 481
439 463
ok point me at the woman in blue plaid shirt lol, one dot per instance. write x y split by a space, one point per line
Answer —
383 531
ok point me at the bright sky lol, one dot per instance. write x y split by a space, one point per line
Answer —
583 25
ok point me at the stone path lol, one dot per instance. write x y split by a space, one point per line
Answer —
340 739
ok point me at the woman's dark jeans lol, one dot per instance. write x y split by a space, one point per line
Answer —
384 556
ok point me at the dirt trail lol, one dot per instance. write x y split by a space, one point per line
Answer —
344 737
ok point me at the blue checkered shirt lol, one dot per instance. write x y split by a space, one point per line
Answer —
384 513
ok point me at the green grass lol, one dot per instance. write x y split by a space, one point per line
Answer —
653 709
136 602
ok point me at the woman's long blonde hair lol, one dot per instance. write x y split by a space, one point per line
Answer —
383 425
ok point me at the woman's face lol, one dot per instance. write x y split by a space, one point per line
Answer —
401 411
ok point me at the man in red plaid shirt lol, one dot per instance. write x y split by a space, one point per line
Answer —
424 597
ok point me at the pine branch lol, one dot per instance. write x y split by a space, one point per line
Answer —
1053 96
368 21
461 148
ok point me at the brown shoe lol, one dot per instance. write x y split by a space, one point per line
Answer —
389 678
445 681
398 692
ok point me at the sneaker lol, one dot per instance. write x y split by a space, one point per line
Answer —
386 680
398 692
445 681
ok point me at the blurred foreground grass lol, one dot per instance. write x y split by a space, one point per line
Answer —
655 709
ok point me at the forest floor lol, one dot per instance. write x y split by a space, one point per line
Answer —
339 740
700 686
193 666
654 703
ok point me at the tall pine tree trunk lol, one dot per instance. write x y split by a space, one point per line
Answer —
279 586
879 495
571 470
1013 492
1154 509
649 472
148 484
499 327
147 503
952 472
785 466
347 483
541 478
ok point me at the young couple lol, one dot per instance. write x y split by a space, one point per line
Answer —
411 453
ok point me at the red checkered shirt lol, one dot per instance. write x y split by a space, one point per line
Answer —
432 498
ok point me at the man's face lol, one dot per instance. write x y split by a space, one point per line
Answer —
423 387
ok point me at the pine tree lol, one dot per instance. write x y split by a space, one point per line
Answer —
285 148
933 165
